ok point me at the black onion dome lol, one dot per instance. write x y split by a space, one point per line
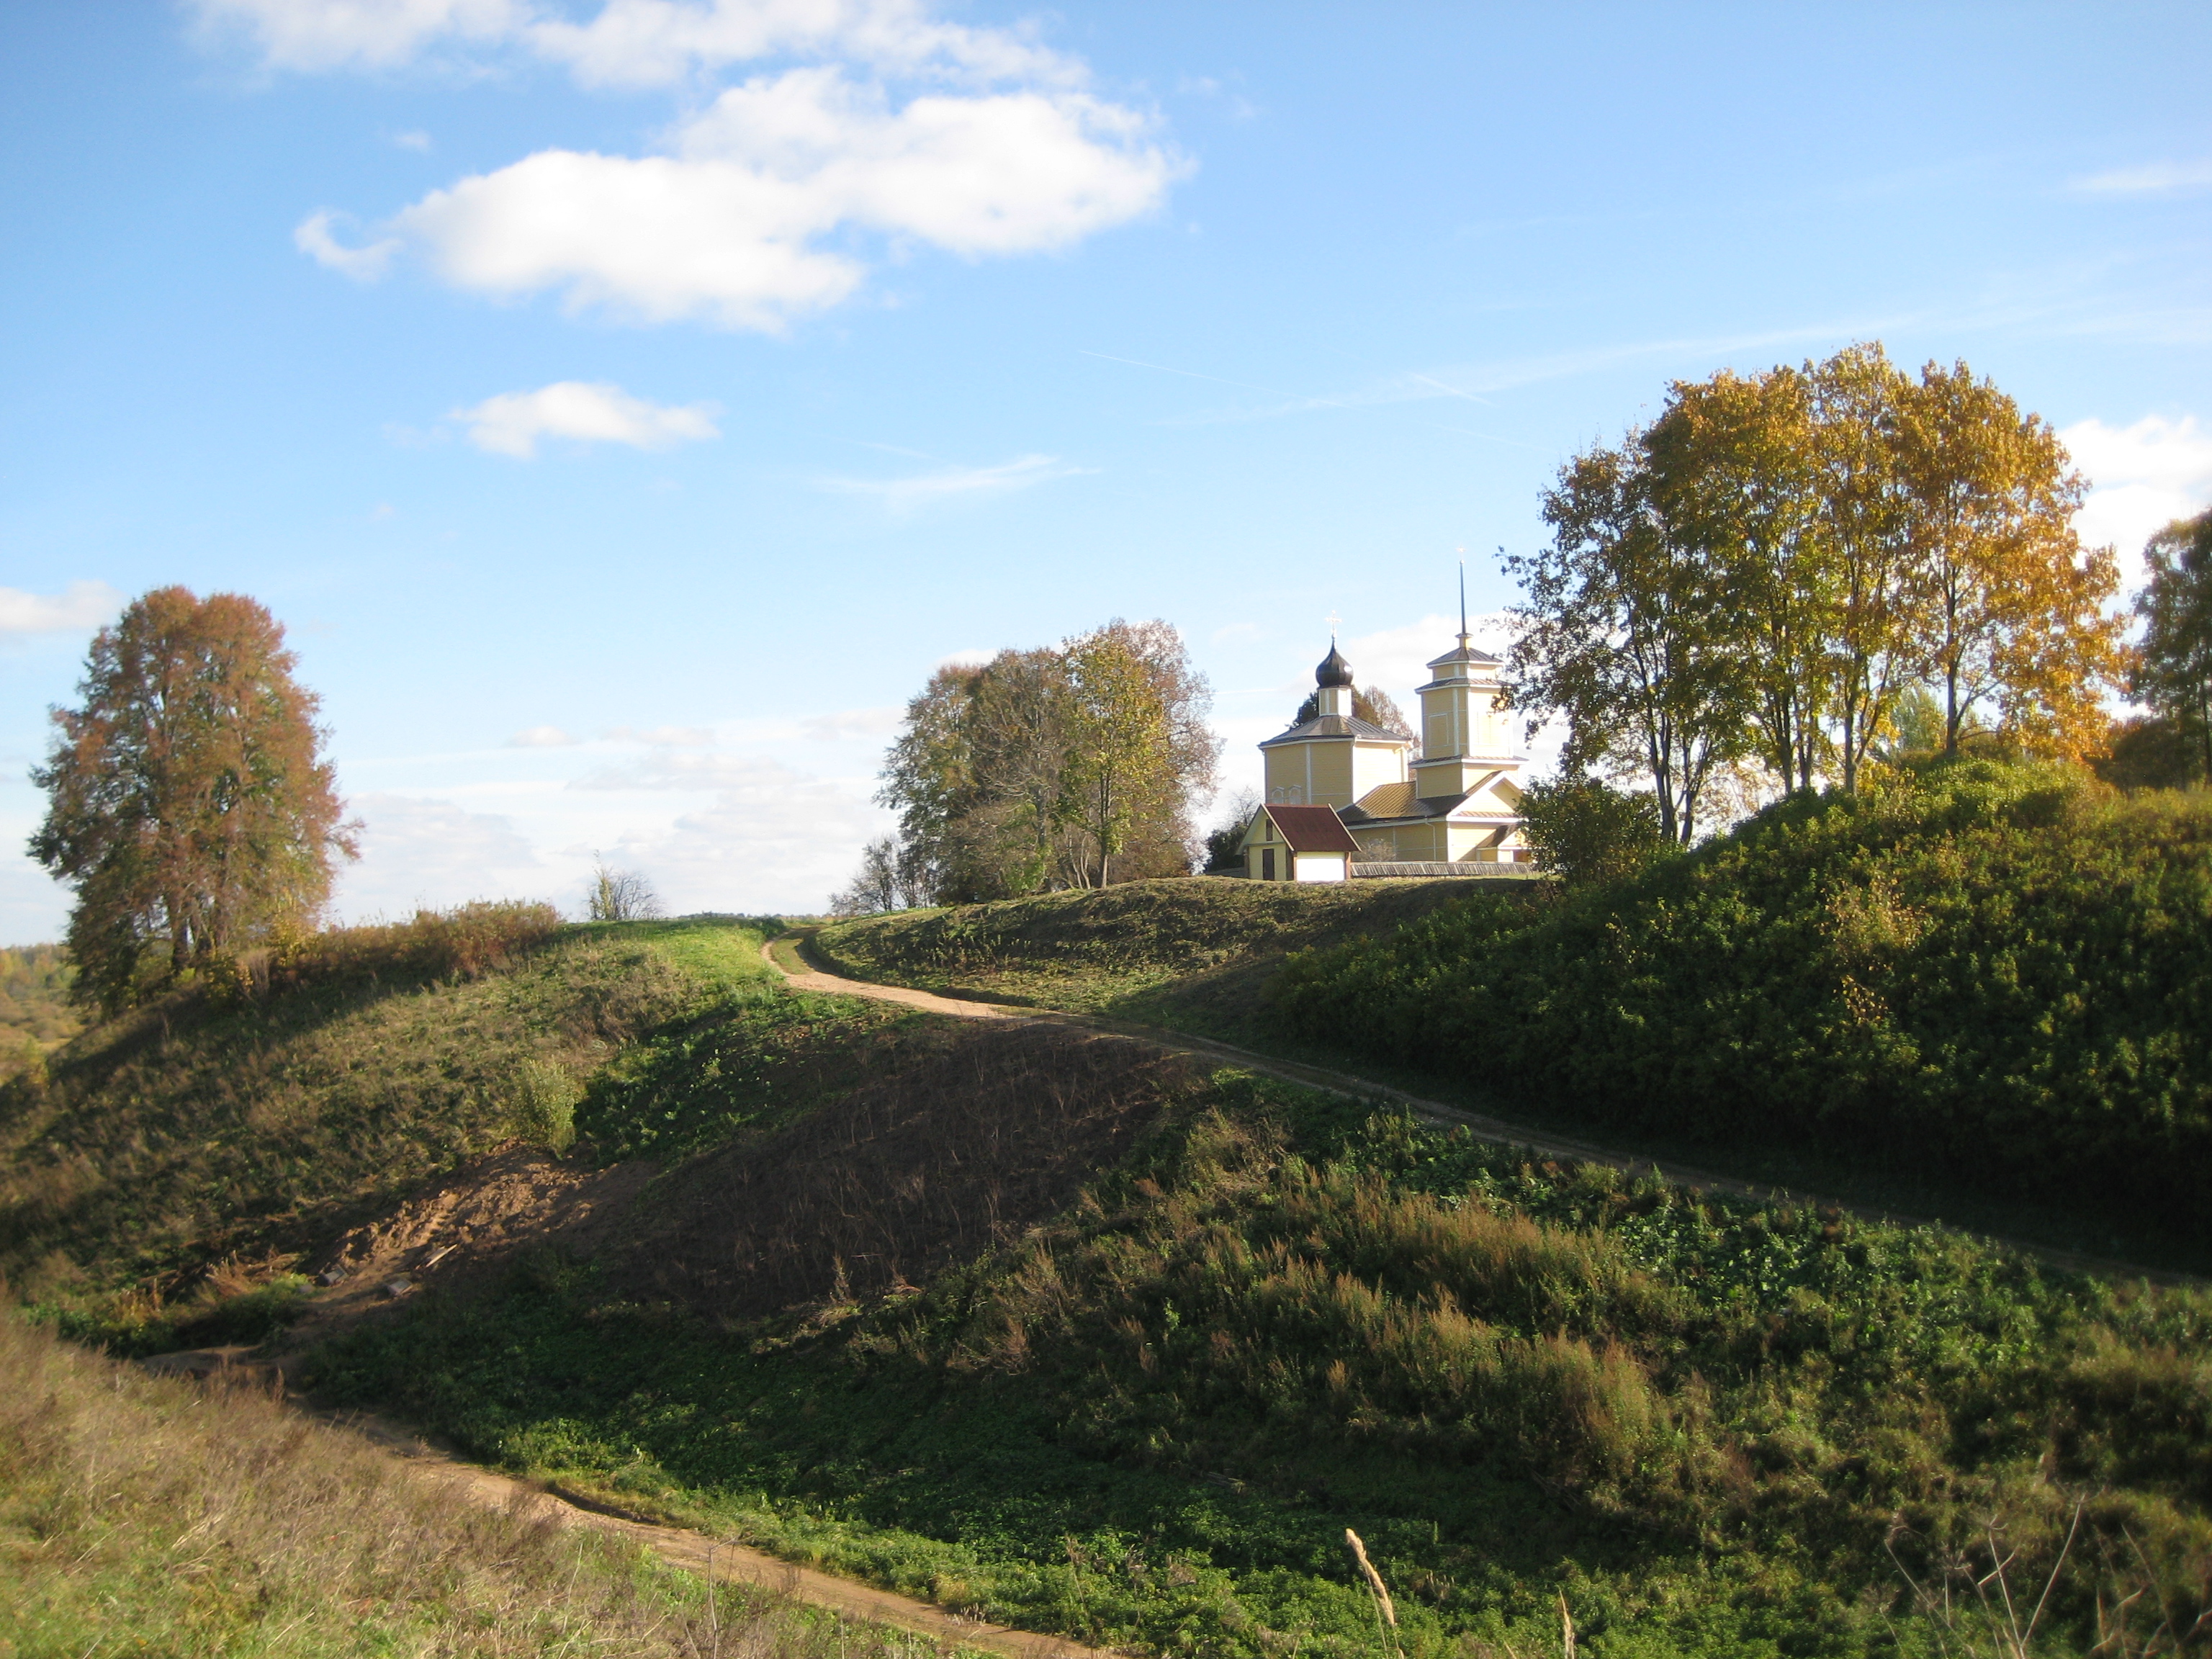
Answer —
1334 669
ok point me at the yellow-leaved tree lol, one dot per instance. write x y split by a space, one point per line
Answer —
2006 604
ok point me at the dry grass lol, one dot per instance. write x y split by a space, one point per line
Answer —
141 1514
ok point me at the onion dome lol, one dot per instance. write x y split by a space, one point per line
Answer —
1334 669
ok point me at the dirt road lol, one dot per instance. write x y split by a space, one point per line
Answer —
1497 1130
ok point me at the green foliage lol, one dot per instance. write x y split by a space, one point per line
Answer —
1584 830
748 1062
1707 1423
2174 673
1994 973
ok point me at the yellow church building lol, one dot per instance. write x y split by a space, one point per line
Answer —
1346 797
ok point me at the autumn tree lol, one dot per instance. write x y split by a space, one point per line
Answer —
1042 768
1621 629
1732 463
1138 749
2007 605
2173 673
1863 532
188 803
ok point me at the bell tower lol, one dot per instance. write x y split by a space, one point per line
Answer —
1463 729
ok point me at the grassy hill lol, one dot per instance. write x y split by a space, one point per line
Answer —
1986 976
1043 1323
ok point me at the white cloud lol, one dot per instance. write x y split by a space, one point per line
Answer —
540 737
364 265
2156 178
1006 153
905 495
513 422
416 140
330 34
727 228
973 656
78 608
2142 477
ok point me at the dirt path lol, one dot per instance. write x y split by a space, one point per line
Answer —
1494 1129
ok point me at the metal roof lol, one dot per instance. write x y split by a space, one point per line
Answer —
1312 829
1338 726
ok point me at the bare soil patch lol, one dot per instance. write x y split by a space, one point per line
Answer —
885 1186
475 1221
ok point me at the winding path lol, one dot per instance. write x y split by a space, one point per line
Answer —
1483 1127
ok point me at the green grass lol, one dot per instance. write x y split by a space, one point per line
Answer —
1714 1427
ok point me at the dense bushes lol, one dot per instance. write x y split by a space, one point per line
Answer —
2000 974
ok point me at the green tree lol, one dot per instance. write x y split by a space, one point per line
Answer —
1622 628
2006 603
187 800
2173 671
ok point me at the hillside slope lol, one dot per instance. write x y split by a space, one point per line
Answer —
1045 1324
1997 975
1188 954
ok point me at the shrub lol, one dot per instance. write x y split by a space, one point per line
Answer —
541 1100
1584 830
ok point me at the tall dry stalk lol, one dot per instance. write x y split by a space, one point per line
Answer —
1385 1613
1566 1628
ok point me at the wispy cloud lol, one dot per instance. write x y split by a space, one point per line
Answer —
78 608
662 737
952 483
2153 179
364 265
848 725
1469 382
540 737
513 422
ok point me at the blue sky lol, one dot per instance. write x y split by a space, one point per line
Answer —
626 404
